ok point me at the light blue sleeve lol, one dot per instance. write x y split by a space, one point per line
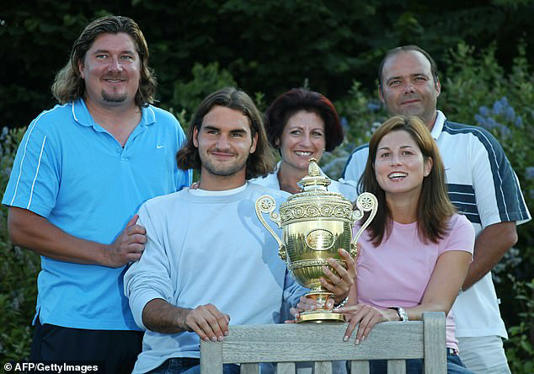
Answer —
292 290
291 295
149 278
35 176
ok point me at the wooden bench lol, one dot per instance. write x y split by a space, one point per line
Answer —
287 344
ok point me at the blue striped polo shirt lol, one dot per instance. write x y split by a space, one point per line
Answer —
74 173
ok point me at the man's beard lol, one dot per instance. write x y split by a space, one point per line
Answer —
223 171
114 98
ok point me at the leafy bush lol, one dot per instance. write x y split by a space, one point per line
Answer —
188 95
18 271
476 90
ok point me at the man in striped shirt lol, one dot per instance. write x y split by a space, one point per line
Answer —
482 185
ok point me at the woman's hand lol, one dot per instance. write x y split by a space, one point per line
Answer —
340 281
307 304
366 316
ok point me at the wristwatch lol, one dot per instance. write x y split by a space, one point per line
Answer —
401 312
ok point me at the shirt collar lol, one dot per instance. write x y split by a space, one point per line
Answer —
438 124
83 117
233 191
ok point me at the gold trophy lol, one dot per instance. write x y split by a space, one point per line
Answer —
315 224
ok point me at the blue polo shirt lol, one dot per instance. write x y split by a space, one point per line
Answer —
74 173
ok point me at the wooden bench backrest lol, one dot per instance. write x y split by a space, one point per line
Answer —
287 344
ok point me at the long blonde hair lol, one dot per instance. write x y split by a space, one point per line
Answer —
69 85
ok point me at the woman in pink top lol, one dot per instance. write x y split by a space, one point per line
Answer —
415 254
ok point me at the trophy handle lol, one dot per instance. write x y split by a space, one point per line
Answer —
366 202
266 204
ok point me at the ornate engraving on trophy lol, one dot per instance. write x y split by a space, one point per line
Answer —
320 239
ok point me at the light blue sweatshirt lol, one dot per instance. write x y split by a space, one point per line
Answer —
207 249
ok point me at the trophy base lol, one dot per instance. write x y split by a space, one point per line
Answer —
323 311
320 317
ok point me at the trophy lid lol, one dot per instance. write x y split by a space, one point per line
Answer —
315 202
316 180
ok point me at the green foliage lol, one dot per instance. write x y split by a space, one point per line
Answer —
267 46
520 346
206 79
360 115
361 112
35 42
478 91
18 271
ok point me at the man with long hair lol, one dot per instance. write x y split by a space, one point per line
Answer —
81 172
481 184
208 258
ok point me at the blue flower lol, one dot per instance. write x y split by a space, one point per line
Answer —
491 123
529 172
480 120
501 106
505 131
509 113
484 110
497 107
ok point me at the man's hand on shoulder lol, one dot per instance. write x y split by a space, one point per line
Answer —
128 246
33 231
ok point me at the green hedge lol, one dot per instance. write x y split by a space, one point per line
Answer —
476 90
18 270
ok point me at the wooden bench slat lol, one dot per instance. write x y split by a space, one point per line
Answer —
323 343
285 368
360 367
323 367
250 369
396 367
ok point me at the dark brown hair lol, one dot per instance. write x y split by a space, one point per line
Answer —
259 163
434 207
290 102
69 85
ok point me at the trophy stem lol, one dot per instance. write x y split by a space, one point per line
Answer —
322 313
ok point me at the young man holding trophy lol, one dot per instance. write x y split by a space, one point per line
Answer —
208 259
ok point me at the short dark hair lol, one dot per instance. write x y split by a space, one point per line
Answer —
408 48
259 163
434 207
69 85
290 102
